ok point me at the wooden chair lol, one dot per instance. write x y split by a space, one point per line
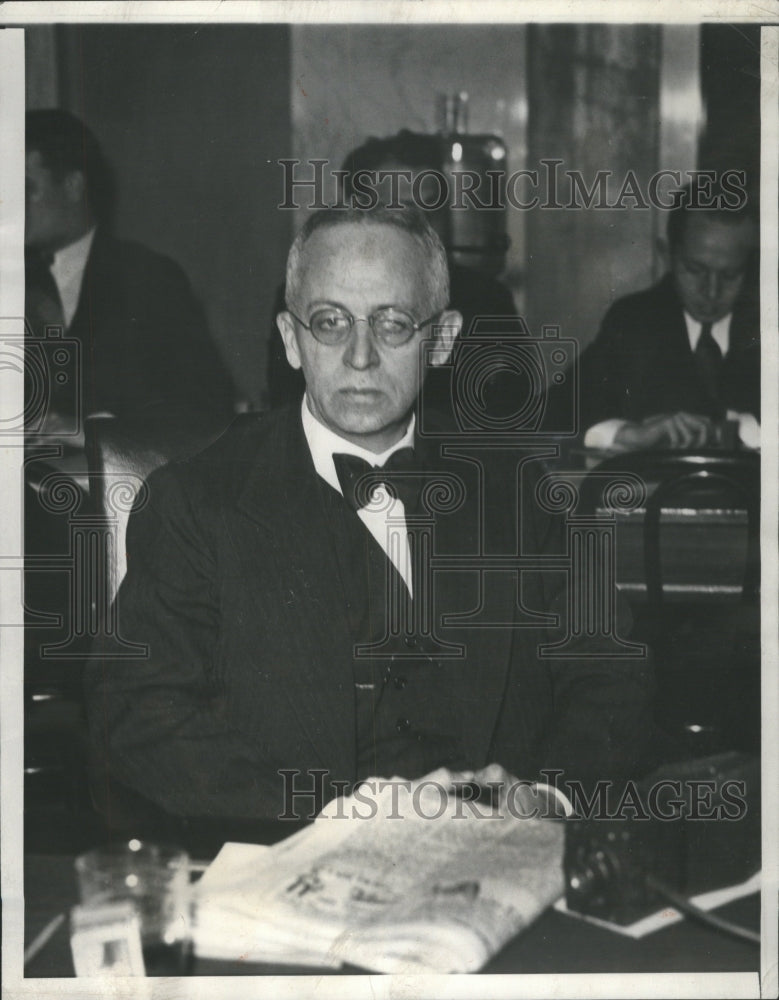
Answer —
707 652
697 480
121 454
119 464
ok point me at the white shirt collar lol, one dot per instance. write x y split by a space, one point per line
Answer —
720 331
323 443
67 270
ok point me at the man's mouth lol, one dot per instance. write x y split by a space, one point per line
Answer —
710 311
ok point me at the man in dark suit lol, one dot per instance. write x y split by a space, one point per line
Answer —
134 345
671 363
145 351
314 592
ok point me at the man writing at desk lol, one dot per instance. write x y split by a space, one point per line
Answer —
674 361
265 580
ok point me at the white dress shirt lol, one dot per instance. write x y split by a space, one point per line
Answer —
68 269
385 517
602 435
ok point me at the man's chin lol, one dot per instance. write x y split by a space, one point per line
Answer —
368 421
369 409
708 315
361 423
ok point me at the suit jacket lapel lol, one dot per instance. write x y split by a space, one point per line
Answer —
96 288
287 512
744 327
283 501
674 327
483 674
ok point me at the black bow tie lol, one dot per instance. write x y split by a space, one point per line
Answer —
399 474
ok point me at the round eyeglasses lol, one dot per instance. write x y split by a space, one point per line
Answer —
393 327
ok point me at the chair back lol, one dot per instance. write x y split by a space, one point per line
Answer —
698 480
726 481
118 467
121 456
706 652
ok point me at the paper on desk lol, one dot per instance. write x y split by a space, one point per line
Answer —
668 915
224 927
416 894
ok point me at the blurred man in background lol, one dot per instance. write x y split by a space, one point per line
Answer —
113 329
145 351
672 364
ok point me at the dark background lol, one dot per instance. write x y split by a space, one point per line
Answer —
195 117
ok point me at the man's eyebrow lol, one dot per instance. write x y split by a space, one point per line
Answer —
318 303
327 302
692 262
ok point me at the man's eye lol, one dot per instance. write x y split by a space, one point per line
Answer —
330 322
697 271
393 326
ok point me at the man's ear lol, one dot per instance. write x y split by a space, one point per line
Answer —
445 330
286 326
74 185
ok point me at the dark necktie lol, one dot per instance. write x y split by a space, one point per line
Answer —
708 359
43 305
358 478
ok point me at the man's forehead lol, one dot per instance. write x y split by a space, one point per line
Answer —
713 234
361 255
353 237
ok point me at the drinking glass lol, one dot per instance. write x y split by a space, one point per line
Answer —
155 879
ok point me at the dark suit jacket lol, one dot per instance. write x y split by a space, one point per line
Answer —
232 584
641 362
143 335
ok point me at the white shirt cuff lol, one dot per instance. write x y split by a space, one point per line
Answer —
748 428
602 435
555 795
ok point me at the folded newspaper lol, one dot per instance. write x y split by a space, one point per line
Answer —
396 878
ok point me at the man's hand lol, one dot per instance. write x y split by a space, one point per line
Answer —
492 789
675 430
508 794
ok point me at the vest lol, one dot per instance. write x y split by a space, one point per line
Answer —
407 710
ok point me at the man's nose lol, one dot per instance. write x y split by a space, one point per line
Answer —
361 350
713 284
